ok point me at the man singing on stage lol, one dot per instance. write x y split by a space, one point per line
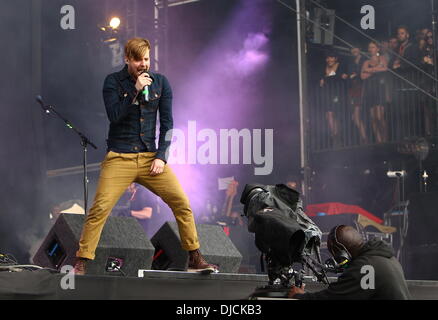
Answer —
132 98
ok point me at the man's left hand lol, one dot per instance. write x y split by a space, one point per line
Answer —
295 290
157 167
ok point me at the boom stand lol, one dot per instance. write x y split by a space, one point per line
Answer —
84 143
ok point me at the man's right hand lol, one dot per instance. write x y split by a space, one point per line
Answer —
142 81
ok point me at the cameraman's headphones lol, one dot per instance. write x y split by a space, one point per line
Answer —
340 253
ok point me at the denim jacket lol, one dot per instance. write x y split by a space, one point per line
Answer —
133 123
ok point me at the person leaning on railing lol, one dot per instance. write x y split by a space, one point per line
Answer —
375 91
355 91
332 83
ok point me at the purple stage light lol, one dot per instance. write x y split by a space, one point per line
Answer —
219 91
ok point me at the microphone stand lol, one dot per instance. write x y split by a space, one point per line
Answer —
49 109
401 207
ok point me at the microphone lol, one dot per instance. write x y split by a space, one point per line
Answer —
396 174
39 99
146 88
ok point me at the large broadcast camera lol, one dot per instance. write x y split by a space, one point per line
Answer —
284 234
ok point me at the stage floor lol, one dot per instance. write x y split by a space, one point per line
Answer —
155 285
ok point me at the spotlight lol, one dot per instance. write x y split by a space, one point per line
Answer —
114 22
110 32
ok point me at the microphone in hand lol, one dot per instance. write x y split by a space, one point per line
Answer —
146 88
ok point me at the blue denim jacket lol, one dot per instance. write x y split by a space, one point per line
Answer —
132 127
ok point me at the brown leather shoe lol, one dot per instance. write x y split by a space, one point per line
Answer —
198 263
79 268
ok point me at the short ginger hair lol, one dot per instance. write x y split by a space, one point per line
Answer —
136 48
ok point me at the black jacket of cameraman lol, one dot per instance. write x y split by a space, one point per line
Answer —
374 274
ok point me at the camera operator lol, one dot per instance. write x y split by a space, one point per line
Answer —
356 256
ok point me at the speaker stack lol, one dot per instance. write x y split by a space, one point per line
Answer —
124 247
422 240
216 247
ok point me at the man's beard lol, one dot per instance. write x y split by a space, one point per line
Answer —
137 72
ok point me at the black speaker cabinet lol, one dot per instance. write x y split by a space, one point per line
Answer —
421 262
423 219
123 243
216 248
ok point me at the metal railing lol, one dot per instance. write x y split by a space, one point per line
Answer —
381 109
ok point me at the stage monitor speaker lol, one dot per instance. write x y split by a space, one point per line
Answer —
421 262
216 248
123 245
324 19
423 219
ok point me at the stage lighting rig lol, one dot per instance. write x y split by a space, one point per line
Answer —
114 23
111 30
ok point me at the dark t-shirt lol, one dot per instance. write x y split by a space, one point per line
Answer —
412 53
137 202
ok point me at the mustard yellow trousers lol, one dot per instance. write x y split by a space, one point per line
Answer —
118 171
